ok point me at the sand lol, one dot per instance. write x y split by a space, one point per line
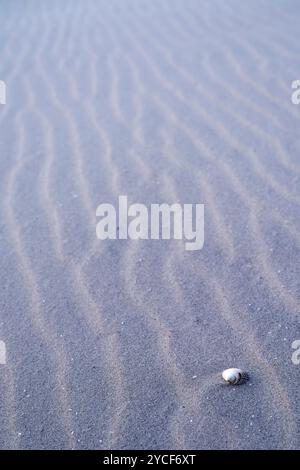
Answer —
120 344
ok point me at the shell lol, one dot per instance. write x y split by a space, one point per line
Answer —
233 376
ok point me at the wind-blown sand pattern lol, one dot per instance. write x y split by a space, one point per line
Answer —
120 344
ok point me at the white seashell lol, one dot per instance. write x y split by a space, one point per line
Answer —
232 376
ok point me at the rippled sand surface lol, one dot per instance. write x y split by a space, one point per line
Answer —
120 344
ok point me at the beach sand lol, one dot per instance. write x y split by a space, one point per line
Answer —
120 344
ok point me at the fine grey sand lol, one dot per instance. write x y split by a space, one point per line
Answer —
120 344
